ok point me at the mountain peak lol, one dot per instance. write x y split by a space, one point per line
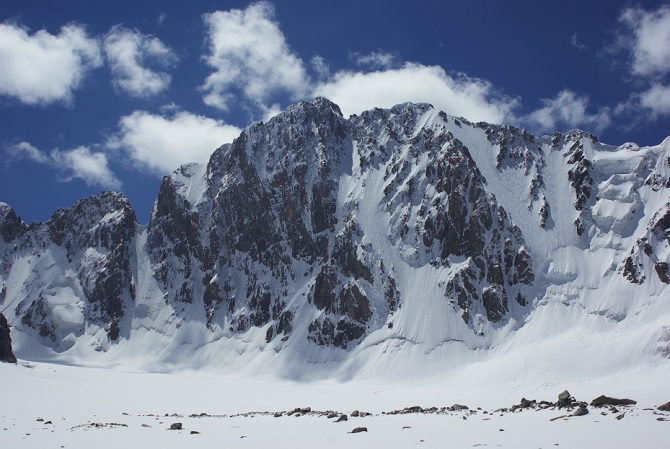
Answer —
346 240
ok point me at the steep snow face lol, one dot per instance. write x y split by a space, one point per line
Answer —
315 238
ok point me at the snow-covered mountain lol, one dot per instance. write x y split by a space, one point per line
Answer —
358 245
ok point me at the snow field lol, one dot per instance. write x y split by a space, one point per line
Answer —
126 403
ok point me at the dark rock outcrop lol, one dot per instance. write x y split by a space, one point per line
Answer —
6 353
606 400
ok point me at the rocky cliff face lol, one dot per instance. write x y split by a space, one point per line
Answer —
312 230
270 222
76 269
6 353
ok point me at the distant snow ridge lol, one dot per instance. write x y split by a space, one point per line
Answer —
325 238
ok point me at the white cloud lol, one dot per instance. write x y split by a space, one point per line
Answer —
472 98
92 168
567 110
249 54
649 41
22 150
656 99
78 163
320 66
380 60
271 111
252 61
127 53
164 143
42 68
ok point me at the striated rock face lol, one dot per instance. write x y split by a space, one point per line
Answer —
270 222
315 230
6 354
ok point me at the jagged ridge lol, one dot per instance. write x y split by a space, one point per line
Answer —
316 229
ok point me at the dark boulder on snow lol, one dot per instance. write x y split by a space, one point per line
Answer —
605 400
458 407
665 407
359 430
6 353
342 418
176 426
582 410
564 399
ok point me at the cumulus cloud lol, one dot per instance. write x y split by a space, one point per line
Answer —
249 55
128 51
92 168
252 61
567 110
41 68
79 163
656 99
458 95
24 150
163 143
648 41
646 36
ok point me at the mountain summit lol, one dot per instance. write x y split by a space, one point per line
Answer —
397 235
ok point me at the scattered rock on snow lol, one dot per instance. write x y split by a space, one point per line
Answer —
359 430
342 418
581 411
605 400
564 399
176 426
665 407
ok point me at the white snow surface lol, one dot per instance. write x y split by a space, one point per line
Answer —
53 405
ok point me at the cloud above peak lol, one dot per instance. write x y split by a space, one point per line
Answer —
458 95
249 54
43 68
648 40
128 52
565 111
78 163
163 142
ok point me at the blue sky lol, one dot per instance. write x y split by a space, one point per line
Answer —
114 95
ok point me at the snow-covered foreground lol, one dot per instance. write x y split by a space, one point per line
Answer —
84 407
